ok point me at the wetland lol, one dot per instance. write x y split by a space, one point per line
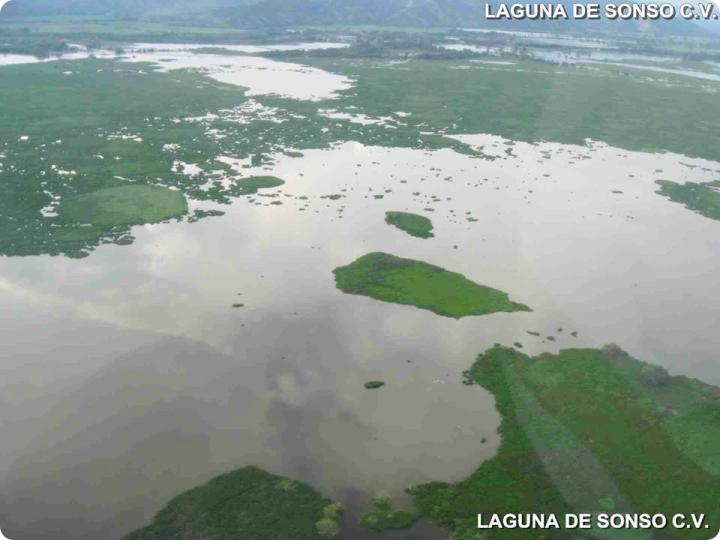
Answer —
296 182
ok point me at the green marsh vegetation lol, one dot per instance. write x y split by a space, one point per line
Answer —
71 128
96 140
143 121
250 504
584 430
413 224
532 101
251 185
703 199
86 139
123 205
382 517
405 281
93 136
40 48
99 31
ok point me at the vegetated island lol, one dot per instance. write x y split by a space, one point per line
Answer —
124 205
382 517
249 503
413 224
587 430
251 185
703 199
374 385
405 281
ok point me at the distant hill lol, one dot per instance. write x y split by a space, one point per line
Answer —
281 13
114 8
421 13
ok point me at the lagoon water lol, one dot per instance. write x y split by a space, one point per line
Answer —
128 376
12 59
259 75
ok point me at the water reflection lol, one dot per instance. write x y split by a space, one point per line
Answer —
128 376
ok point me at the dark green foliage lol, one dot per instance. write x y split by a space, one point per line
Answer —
703 199
583 430
328 526
383 518
416 283
248 503
39 47
251 185
200 214
413 224
373 385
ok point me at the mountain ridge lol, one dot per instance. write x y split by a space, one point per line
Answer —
293 13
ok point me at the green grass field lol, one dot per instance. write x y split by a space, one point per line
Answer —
405 281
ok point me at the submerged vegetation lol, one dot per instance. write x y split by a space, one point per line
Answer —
413 224
250 504
585 430
703 199
405 281
123 205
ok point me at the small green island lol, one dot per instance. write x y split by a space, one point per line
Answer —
374 385
703 199
587 430
415 283
134 204
382 517
248 503
252 184
413 224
